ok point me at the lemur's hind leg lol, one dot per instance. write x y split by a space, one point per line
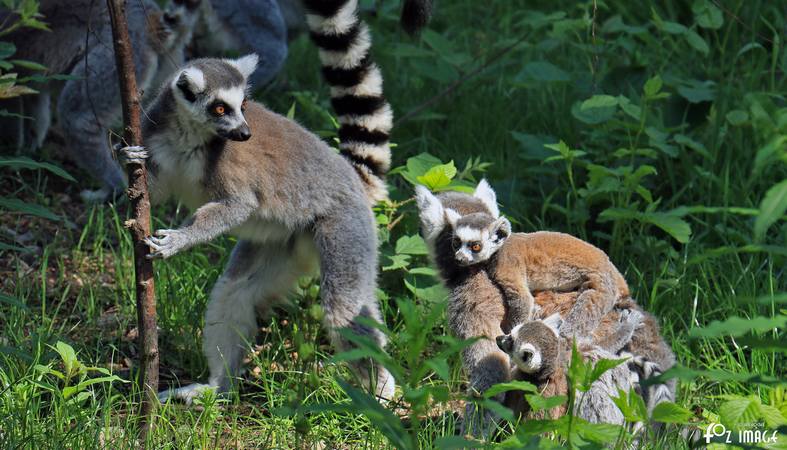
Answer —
347 245
597 297
256 273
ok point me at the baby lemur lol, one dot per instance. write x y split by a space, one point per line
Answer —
528 261
539 355
289 197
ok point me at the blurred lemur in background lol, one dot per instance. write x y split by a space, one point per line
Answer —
88 104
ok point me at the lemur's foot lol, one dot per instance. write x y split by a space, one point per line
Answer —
165 243
133 154
186 394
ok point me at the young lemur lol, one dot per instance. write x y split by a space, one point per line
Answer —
285 193
539 355
80 45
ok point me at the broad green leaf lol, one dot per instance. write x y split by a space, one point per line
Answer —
672 27
738 326
688 374
652 86
510 386
6 49
542 71
737 410
631 405
423 271
440 367
772 416
18 206
772 208
539 403
578 369
674 226
433 294
23 162
707 15
411 245
600 433
69 357
737 117
417 166
698 91
599 101
438 176
668 412
697 42
398 261
601 366
592 116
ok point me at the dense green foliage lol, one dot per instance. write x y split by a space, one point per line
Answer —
657 132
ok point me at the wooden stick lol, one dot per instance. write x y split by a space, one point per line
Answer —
139 224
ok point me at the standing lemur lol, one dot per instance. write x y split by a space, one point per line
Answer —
80 45
477 306
286 194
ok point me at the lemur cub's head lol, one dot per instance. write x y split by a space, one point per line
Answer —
534 347
213 92
169 30
476 229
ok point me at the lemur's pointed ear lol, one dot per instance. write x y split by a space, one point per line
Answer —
554 322
486 194
190 82
431 212
501 229
246 65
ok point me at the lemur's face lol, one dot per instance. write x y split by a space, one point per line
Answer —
177 22
533 347
477 237
214 94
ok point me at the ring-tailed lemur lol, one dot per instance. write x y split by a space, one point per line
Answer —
541 356
80 45
525 262
477 307
286 194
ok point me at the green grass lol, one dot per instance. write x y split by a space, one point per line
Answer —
76 283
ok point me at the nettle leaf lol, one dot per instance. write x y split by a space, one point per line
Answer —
543 72
539 402
698 91
499 388
397 262
676 227
707 15
631 405
772 208
697 42
592 116
456 442
599 101
738 326
652 86
411 245
417 166
433 294
668 412
672 27
438 176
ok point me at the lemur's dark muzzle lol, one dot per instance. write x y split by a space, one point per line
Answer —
242 133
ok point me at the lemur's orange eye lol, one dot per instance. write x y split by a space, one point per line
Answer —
475 247
219 110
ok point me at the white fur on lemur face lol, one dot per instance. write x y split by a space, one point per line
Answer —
477 237
218 109
435 217
533 346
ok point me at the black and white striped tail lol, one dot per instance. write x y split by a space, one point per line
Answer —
365 117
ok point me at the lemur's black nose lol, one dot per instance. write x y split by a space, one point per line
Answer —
242 133
527 355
